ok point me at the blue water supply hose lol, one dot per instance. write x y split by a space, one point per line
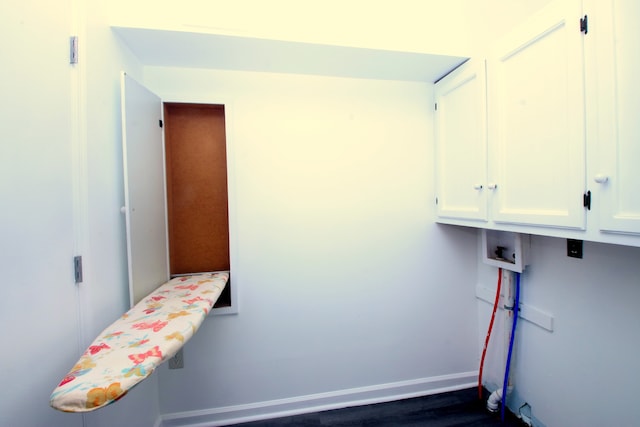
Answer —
516 308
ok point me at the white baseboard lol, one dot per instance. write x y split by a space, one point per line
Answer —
320 402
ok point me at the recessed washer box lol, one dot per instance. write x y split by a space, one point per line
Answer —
505 249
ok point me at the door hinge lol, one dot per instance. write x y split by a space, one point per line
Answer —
584 24
160 122
586 200
436 106
436 200
77 268
73 50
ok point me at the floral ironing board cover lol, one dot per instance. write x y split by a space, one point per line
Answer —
130 349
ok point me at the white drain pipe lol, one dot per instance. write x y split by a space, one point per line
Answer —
493 403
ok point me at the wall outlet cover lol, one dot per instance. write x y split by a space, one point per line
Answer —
574 248
177 361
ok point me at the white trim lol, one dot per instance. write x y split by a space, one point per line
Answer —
81 227
526 312
236 414
164 186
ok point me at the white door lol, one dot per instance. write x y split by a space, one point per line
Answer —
145 207
461 143
40 219
536 121
617 177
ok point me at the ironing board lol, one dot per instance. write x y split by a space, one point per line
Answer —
130 349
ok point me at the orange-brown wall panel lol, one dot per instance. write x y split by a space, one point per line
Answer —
195 144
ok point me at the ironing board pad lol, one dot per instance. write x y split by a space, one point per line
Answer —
130 349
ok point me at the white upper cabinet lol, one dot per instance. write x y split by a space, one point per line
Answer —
616 177
461 143
537 121
561 105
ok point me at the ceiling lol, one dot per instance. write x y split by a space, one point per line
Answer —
224 52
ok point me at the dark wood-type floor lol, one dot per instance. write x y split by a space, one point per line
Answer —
455 409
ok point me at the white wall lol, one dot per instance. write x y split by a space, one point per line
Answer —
61 191
454 27
103 58
406 25
585 372
38 308
344 280
106 292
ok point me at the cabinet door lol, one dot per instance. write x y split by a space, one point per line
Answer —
617 177
461 143
145 211
536 121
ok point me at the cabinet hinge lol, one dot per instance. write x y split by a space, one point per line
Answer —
77 268
160 122
73 50
586 200
584 24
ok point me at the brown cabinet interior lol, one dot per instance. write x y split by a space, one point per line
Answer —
197 197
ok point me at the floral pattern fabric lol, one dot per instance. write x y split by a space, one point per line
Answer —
141 339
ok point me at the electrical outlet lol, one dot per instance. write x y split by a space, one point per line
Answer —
524 413
177 361
574 248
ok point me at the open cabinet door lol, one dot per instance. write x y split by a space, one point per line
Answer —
144 189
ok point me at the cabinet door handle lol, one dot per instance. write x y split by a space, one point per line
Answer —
601 178
477 186
492 186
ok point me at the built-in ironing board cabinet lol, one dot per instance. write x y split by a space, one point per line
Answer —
176 191
177 223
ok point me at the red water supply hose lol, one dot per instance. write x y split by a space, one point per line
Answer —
486 341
